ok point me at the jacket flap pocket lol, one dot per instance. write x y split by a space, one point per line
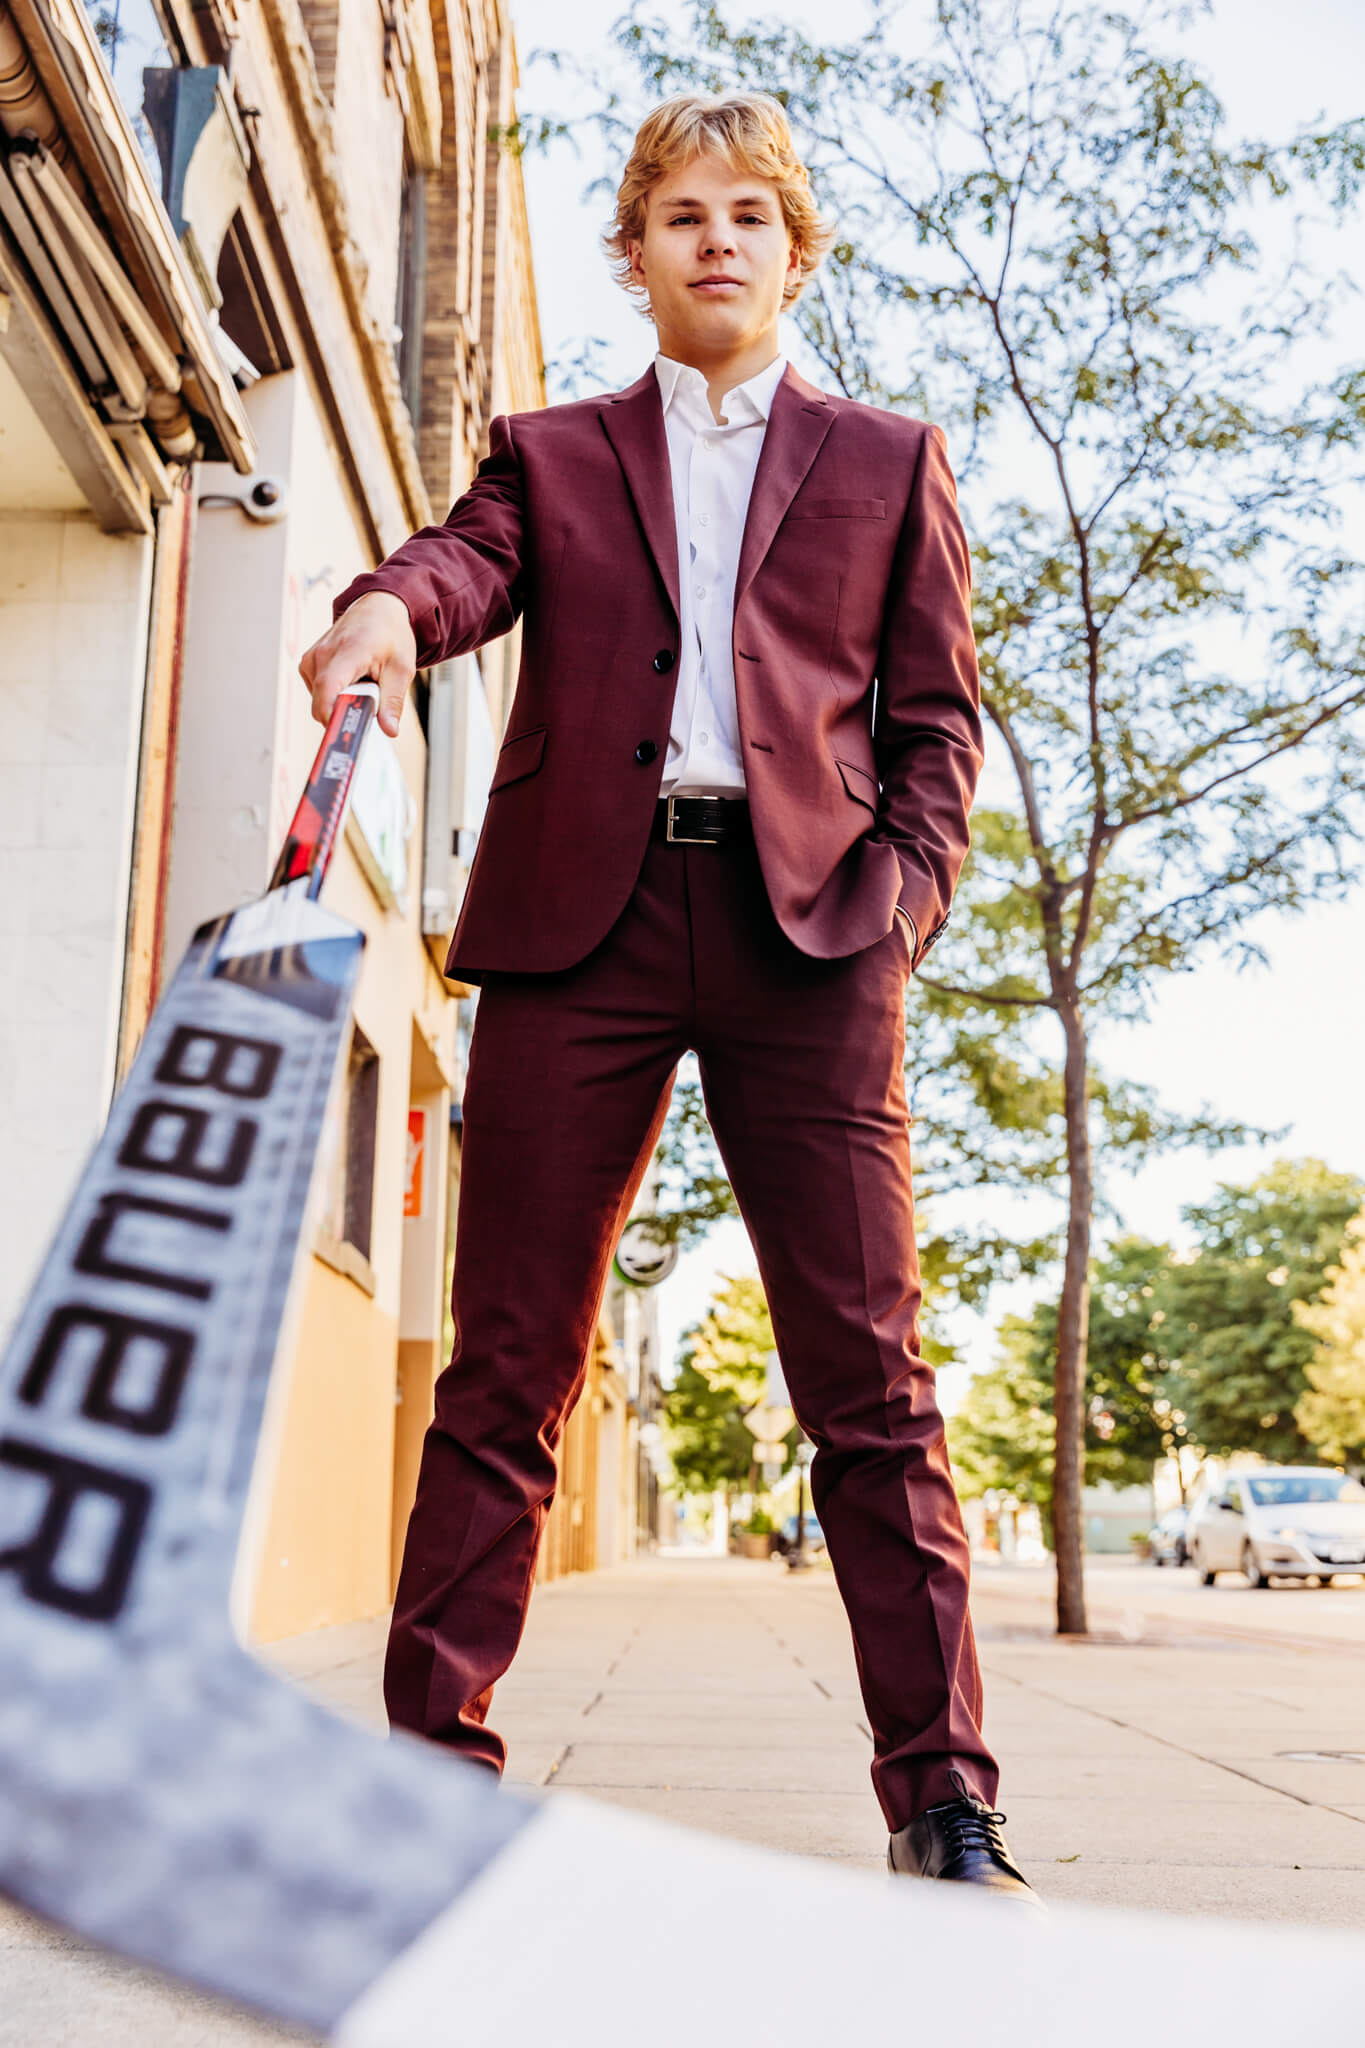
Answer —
860 783
518 757
838 508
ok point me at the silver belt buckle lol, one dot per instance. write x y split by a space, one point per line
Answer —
680 838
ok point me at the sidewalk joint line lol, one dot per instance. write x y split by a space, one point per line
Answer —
1180 1748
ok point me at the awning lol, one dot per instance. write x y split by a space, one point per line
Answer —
78 201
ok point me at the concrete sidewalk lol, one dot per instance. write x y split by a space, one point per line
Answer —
1178 1763
1158 1763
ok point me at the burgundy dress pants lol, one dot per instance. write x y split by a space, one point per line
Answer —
802 1068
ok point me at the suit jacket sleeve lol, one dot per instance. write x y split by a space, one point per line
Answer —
927 731
461 582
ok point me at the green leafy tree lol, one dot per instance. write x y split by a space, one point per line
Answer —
704 1430
721 1374
1236 1344
1004 1433
1331 1413
693 1189
1051 245
1001 1438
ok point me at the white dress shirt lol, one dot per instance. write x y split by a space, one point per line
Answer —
712 469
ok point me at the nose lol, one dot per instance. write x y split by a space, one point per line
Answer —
718 240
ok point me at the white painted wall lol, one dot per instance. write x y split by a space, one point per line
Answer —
73 625
259 595
221 838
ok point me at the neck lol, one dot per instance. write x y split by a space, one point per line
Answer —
723 367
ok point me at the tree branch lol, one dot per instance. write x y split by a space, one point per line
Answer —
1239 773
980 995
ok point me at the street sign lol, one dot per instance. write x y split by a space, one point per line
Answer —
769 1425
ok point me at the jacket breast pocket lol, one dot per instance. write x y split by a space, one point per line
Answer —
838 508
518 758
860 783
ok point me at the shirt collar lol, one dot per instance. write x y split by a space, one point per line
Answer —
755 395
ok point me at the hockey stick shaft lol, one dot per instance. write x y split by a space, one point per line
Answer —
312 834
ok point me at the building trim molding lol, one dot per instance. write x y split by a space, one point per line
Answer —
64 406
67 59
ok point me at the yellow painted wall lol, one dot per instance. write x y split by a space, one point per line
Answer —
326 1552
419 1361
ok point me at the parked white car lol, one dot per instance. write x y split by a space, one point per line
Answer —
1286 1522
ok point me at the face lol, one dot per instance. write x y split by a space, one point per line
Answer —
715 258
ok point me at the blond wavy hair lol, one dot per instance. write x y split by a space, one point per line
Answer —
747 129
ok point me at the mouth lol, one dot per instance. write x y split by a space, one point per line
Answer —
717 285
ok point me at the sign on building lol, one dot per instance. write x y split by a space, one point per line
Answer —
417 1164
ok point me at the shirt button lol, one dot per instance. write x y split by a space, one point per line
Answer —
646 752
705 738
664 660
703 519
700 590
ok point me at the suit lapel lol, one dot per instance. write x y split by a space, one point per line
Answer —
634 421
800 419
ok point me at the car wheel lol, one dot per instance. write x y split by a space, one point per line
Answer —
1255 1577
1206 1577
1182 1555
1325 1578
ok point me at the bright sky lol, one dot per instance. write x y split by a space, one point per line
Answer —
1277 1047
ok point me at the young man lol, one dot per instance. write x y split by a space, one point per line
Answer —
728 814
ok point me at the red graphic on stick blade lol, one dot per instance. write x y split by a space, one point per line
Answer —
308 843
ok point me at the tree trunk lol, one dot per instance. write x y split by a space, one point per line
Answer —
1073 1330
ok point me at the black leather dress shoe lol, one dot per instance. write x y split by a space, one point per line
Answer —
960 1840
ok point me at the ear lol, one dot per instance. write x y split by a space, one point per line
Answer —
635 252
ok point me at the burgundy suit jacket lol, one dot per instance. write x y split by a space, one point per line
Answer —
855 668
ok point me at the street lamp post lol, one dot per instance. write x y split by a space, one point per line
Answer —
797 1560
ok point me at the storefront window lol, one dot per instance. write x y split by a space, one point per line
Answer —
129 35
347 1223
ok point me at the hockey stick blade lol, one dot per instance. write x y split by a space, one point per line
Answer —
159 1791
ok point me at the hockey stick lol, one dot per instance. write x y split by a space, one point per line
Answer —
163 1794
159 1791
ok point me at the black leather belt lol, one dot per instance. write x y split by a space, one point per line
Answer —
702 820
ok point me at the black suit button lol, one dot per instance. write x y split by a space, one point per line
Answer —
646 751
664 660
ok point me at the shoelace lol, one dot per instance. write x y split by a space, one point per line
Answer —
971 1826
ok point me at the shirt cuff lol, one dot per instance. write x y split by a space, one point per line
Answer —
914 935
